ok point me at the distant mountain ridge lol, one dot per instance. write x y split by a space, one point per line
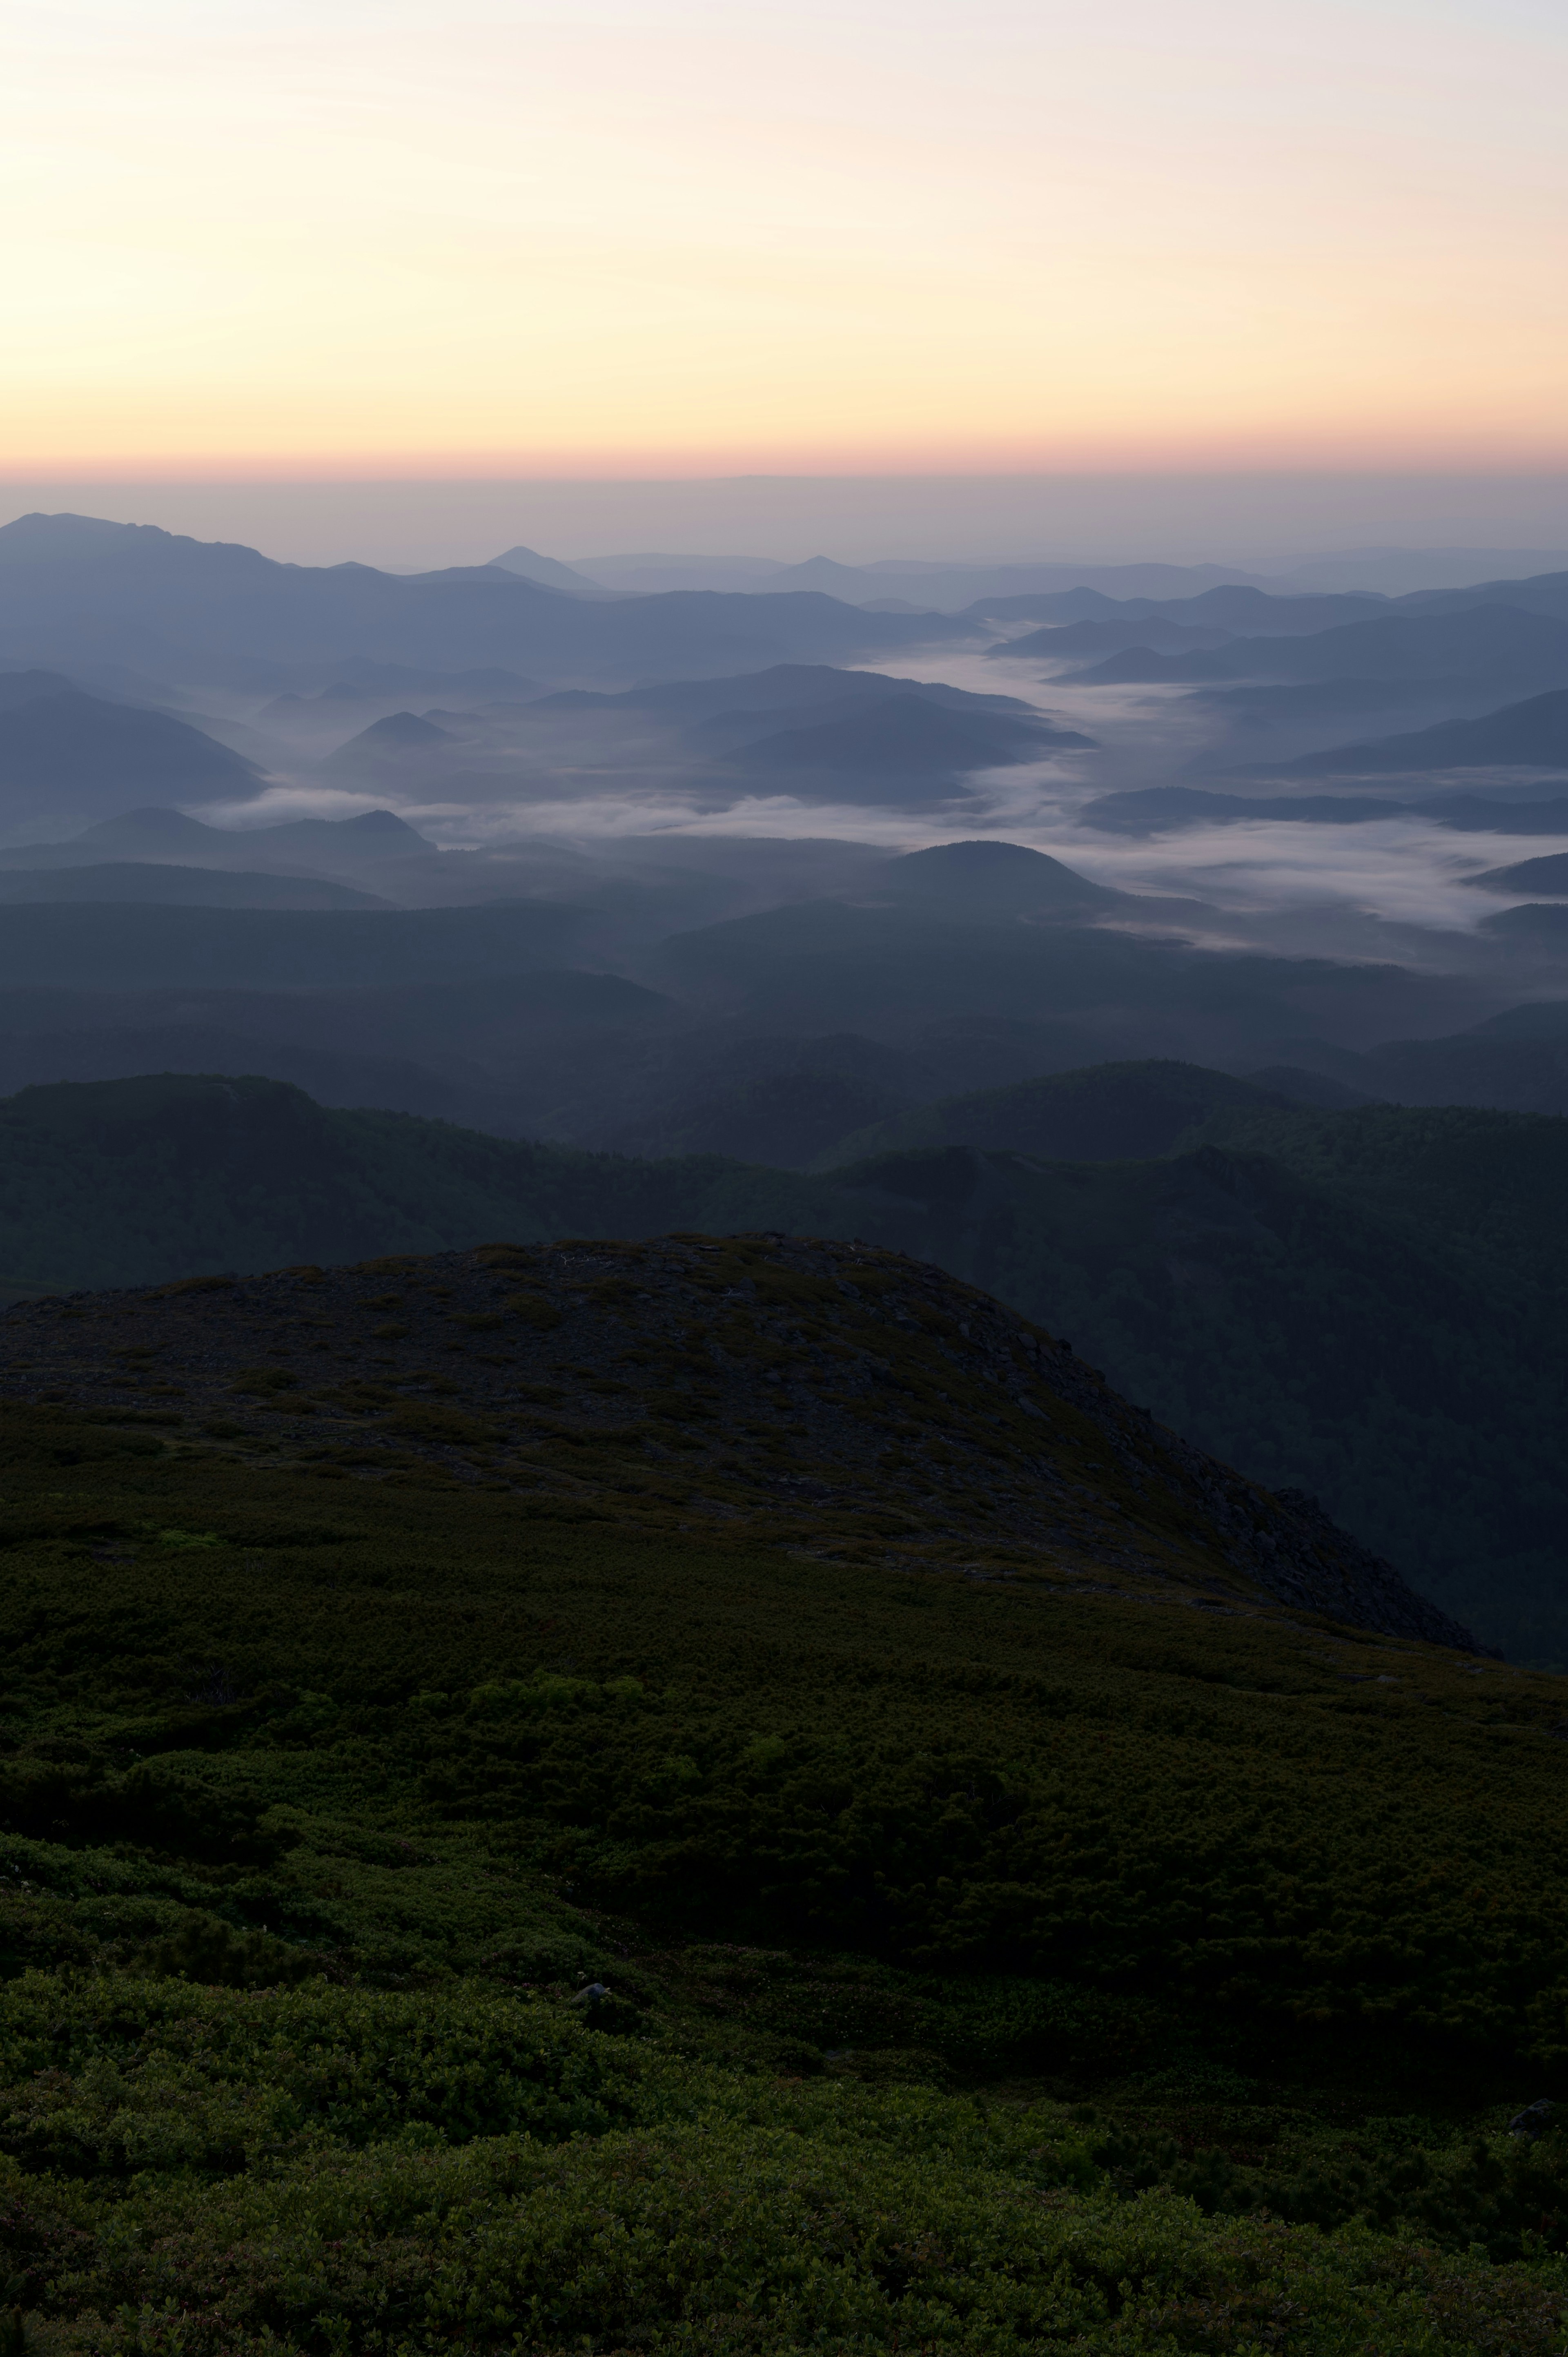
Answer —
212 604
1532 734
1496 644
67 753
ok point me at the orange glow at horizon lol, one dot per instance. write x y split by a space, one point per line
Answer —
668 237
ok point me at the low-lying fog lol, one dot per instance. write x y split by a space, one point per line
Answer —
522 775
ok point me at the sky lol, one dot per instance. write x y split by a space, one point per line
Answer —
658 239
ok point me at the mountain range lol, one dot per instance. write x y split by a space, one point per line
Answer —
196 609
1498 645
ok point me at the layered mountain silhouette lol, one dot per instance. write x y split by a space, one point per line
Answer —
62 750
1109 1113
983 881
129 948
899 740
1497 644
549 573
1547 878
1112 637
192 607
388 745
1530 735
808 692
172 837
145 882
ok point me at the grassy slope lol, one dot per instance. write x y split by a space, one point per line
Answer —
985 1957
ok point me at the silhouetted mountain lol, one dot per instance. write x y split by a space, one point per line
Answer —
388 744
1258 613
1475 814
374 834
1532 734
1315 1089
550 572
1542 1018
1109 1113
1135 666
1497 644
904 739
784 1118
73 754
202 609
1545 879
1333 701
1111 636
889 970
170 836
1535 926
31 686
919 583
1152 809
1537 592
106 1052
102 948
1512 1062
206 888
981 880
815 690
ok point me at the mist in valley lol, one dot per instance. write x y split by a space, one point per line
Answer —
532 897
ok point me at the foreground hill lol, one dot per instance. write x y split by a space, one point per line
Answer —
843 1379
1365 1305
544 1787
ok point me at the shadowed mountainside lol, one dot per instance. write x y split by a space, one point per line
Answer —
1365 1306
1016 1410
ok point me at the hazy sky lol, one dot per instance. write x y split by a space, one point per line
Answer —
662 236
